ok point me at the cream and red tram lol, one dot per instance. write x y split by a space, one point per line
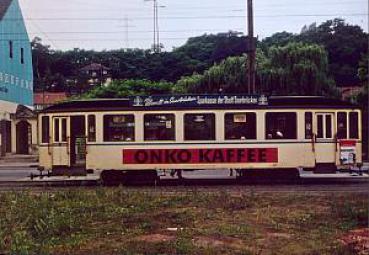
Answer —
245 133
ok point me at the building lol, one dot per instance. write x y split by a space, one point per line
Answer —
18 123
96 74
43 100
350 91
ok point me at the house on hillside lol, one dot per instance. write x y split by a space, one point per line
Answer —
96 74
43 100
350 91
18 122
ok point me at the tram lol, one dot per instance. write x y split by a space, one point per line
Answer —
141 135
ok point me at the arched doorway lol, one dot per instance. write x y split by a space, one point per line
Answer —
23 129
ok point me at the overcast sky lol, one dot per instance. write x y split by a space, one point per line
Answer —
114 24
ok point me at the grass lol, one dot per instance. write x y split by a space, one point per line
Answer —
121 221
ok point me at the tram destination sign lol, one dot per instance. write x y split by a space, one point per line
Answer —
197 100
200 156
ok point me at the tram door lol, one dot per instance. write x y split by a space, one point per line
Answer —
60 139
325 144
78 141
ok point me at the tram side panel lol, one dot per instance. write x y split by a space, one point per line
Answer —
258 154
201 156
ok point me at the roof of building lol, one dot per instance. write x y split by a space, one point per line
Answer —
130 104
4 5
49 98
95 67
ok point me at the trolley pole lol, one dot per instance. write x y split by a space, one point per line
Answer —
251 67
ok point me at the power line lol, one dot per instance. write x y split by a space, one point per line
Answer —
191 8
197 17
131 31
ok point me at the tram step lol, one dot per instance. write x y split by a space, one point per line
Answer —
325 168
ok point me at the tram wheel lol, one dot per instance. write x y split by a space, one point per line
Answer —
112 178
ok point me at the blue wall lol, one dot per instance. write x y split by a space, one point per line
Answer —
16 79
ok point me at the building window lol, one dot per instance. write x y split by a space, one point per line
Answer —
354 125
308 125
22 56
159 127
119 128
281 125
91 128
199 127
10 49
45 129
240 126
341 125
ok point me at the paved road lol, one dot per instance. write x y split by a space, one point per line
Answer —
16 173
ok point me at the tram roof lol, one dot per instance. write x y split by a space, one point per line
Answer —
208 102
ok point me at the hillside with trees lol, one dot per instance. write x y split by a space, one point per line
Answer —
313 62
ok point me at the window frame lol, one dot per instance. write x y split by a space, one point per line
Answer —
91 135
309 119
22 55
214 130
119 115
247 113
60 130
357 125
11 52
295 115
173 128
45 129
324 117
338 122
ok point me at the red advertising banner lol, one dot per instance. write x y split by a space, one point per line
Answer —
347 143
200 156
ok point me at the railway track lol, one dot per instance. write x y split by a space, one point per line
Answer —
303 186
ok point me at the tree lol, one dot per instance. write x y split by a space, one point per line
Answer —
294 69
124 88
277 39
345 45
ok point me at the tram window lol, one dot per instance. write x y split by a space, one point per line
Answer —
199 127
91 128
354 125
342 125
325 125
119 128
56 130
240 126
320 126
308 125
45 129
64 130
328 126
159 127
281 125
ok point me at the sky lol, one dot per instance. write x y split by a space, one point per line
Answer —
116 24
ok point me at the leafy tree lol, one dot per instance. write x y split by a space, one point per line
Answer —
294 69
297 69
123 88
363 71
277 39
345 45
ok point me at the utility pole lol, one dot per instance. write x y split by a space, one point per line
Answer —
251 60
156 40
126 26
367 109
